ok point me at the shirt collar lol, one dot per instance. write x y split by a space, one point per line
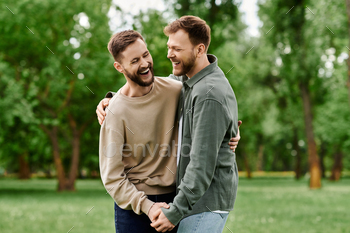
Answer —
201 74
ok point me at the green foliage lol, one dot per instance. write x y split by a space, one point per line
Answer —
222 16
38 89
55 65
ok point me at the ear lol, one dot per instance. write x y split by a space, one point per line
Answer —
201 50
118 67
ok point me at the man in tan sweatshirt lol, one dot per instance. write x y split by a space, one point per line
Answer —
137 149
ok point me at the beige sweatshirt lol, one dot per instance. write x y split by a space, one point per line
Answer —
137 150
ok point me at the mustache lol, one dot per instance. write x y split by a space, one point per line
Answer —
150 67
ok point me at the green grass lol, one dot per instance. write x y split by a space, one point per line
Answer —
285 205
262 205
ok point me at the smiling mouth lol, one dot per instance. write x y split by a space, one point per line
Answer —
176 63
145 72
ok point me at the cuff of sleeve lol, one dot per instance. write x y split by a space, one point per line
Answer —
172 214
109 94
146 205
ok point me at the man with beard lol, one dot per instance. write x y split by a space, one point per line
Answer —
137 154
214 128
207 174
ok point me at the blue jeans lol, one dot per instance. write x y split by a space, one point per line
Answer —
207 222
127 221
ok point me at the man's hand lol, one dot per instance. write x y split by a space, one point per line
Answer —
234 141
162 224
155 210
100 110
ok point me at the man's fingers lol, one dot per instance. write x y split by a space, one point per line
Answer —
100 119
156 215
161 228
100 111
165 205
101 108
233 143
105 102
239 123
155 224
235 139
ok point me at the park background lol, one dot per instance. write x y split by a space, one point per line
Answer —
291 77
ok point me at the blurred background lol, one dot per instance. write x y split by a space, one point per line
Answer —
287 61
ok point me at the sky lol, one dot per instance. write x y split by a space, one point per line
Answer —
248 7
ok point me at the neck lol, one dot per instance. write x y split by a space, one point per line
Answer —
200 64
131 89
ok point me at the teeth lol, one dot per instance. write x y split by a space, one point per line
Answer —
144 72
175 63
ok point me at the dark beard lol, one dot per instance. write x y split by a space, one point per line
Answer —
137 79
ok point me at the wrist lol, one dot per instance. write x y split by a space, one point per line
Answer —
146 206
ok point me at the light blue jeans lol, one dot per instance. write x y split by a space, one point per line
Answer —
207 222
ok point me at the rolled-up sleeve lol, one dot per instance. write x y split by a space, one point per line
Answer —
124 193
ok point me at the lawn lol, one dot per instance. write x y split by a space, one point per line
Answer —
263 205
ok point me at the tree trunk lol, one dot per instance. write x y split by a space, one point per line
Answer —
296 146
348 60
24 170
53 135
337 166
298 166
314 162
247 168
322 155
57 159
259 164
75 154
63 182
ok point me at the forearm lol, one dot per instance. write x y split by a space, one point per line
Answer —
124 192
204 151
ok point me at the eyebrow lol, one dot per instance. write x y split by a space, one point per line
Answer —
174 46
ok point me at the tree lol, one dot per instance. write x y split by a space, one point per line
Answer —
62 58
294 27
223 18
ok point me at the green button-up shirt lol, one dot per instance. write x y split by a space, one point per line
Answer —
207 175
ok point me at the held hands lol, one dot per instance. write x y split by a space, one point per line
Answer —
155 210
158 219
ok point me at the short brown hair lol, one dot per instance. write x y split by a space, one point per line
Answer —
197 29
120 41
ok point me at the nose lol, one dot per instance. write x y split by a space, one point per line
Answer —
144 63
170 53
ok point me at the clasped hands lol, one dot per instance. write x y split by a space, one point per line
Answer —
158 219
